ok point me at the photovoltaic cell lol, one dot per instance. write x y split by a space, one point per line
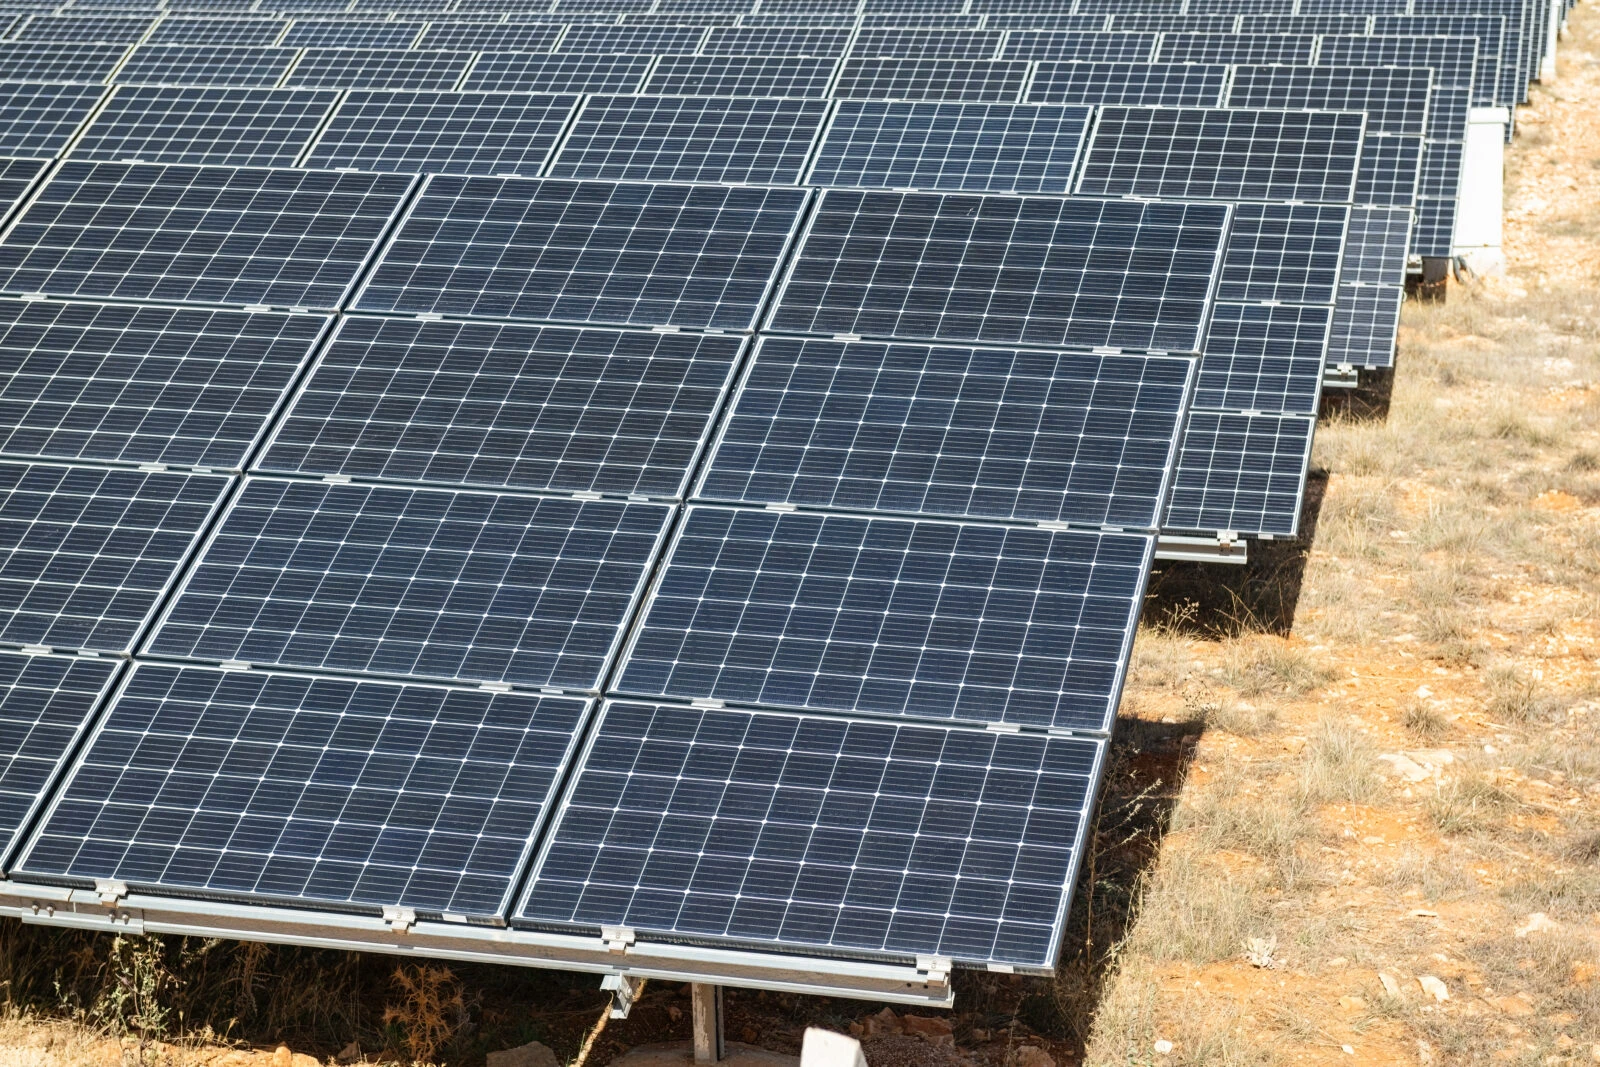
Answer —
427 583
190 64
1394 98
658 18
1366 319
959 621
49 61
87 553
1004 270
1391 165
818 20
1018 148
1135 22
992 81
507 406
1283 252
1375 250
281 237
231 31
896 20
1453 60
634 254
39 118
16 178
757 140
371 68
922 43
1048 20
443 133
1315 24
773 41
140 384
1263 357
1241 473
483 36
232 127
1432 232
347 33
641 40
91 29
953 432
310 791
561 72
795 76
1062 45
45 705
1180 153
1495 51
1137 84
1235 48
837 835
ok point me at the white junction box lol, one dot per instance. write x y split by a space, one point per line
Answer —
1481 206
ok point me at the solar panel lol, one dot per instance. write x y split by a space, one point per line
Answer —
571 72
992 81
1062 45
1495 50
371 68
611 7
1004 270
16 178
45 706
1435 226
922 43
48 61
119 383
279 237
342 33
234 31
829 8
835 835
426 583
904 7
481 36
697 256
92 29
1182 153
1352 7
1235 48
1170 84
1366 319
1263 357
953 432
822 20
1453 60
773 41
1394 98
725 7
234 127
642 40
896 20
1049 20
801 76
309 791
1375 250
507 406
1241 473
1284 23
420 7
1391 165
443 133
1447 114
972 622
1283 252
763 141
659 18
304 7
87 553
193 64
1137 22
1029 148
39 118
1243 8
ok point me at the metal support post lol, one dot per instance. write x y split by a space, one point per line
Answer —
707 1009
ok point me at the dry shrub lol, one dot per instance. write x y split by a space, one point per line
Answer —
1339 765
1423 722
1470 803
431 1008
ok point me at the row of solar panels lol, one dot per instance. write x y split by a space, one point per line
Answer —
552 598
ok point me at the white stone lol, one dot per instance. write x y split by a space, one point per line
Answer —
1434 988
824 1048
533 1054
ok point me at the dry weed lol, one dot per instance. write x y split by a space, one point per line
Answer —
430 1011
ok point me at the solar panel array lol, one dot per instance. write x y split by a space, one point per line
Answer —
684 469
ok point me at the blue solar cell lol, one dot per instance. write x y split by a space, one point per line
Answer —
1288 253
957 432
16 178
140 384
1062 45
309 791
1375 248
925 43
372 68
87 553
1395 99
1366 319
1241 473
774 41
796 76
1170 84
507 406
587 252
192 64
80 29
425 583
978 80
49 61
485 36
45 706
637 40
229 31
826 834
39 118
971 622
350 33
1004 270
561 72
1017 148
1391 168
1236 48
206 125
279 237
1263 357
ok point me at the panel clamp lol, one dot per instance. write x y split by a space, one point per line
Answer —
495 687
36 650
935 969
779 506
430 316
664 329
709 703
399 919
153 468
617 938
587 494
258 307
109 890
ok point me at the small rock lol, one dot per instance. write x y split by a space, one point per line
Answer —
750 1035
350 1053
1032 1056
1594 1053
980 1035
1258 951
1536 922
856 1029
1434 988
1163 1047
282 1057
1353 1003
533 1054
1424 1053
674 1012
1390 986
1405 767
1348 1050
885 1022
934 1028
